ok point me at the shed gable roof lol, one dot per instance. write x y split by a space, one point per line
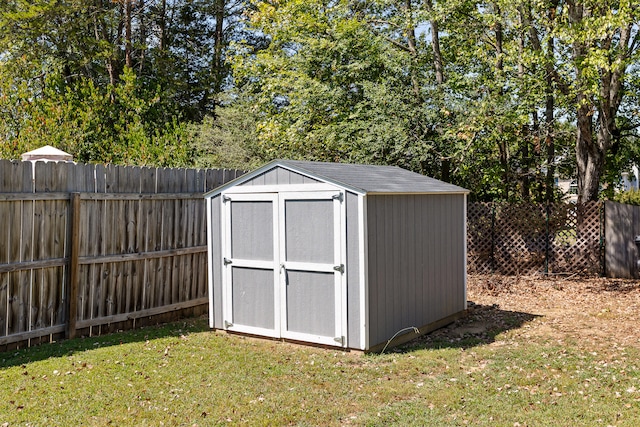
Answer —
365 179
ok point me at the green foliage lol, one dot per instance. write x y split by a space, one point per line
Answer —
226 140
630 197
123 124
111 81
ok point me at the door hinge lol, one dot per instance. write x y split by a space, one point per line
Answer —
339 268
340 340
339 196
226 261
227 324
225 199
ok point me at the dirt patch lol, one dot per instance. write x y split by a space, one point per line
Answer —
589 311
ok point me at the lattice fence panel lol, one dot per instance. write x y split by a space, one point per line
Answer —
520 238
530 238
576 233
480 238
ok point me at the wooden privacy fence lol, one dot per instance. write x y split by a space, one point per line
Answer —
531 238
86 247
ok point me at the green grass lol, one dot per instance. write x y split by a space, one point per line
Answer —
183 374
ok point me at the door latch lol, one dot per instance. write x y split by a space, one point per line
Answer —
339 268
339 196
227 324
339 340
226 261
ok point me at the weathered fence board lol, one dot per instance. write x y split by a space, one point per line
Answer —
622 224
140 250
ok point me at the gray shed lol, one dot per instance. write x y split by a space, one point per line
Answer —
336 254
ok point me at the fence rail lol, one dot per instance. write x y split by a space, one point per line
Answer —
89 248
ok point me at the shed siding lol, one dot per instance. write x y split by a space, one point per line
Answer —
216 269
353 273
280 176
416 261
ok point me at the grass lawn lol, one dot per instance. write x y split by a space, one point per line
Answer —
492 369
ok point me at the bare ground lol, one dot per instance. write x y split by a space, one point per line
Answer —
591 312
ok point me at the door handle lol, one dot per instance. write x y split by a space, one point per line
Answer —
286 274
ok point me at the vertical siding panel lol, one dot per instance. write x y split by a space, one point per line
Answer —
216 256
440 222
387 261
412 263
373 279
429 294
447 217
295 178
283 176
397 269
423 253
354 317
271 177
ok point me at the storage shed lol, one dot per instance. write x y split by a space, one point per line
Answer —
343 255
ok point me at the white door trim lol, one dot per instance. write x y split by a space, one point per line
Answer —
338 268
229 262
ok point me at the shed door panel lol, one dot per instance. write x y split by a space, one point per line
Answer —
311 240
309 231
311 305
253 297
250 289
252 230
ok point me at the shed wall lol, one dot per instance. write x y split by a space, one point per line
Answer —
280 176
416 249
215 233
354 319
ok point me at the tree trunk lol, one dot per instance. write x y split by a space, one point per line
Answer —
413 49
591 150
503 142
128 61
437 55
162 24
549 120
218 63
143 36
589 157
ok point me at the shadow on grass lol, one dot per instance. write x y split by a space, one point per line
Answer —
481 326
66 348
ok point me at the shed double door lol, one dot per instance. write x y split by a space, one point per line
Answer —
284 265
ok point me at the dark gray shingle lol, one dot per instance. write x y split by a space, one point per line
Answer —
371 178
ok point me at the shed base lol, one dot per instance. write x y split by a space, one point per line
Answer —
423 330
399 340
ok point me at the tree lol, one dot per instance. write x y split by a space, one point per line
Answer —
605 41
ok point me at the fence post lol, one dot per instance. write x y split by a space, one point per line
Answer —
493 237
547 241
72 293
